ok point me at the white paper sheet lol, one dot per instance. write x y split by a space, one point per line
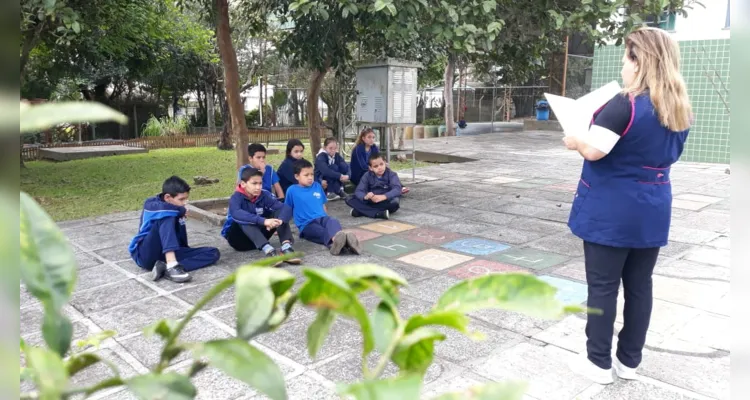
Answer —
575 115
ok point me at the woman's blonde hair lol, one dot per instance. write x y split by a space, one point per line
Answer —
657 56
361 136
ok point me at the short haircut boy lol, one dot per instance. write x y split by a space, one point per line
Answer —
174 185
250 172
373 157
301 164
253 148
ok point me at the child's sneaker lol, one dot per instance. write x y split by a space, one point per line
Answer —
624 372
339 242
158 271
352 243
583 366
332 196
287 251
177 274
272 254
343 195
355 213
383 215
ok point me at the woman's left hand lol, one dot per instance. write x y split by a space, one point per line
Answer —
570 142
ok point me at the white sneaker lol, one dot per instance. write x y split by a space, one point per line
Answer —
623 371
583 366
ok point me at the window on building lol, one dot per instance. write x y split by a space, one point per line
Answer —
726 23
665 20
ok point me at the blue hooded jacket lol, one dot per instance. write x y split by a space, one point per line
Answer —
388 184
329 168
154 209
246 211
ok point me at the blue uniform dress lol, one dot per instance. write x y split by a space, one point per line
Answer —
286 173
311 219
270 177
161 230
622 211
244 228
330 169
360 161
388 185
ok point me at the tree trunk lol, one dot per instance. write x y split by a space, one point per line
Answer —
313 115
175 105
210 121
231 81
225 140
450 67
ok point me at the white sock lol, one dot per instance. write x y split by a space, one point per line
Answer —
172 264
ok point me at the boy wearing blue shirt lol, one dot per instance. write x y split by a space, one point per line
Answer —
378 192
256 155
253 217
307 200
161 244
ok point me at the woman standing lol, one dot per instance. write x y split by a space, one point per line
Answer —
622 208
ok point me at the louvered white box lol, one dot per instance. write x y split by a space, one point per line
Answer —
387 93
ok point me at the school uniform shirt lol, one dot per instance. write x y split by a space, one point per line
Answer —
286 173
307 203
388 185
244 210
154 209
270 177
360 161
625 198
330 168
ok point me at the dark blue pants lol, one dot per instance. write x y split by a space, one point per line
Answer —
371 209
605 267
252 237
321 230
334 186
163 238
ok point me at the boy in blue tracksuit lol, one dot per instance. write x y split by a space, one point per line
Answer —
161 244
308 202
256 155
331 168
378 192
253 217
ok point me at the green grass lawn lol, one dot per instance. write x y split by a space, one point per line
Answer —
98 186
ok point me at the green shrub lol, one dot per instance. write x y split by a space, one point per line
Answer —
434 121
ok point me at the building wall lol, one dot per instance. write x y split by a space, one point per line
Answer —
705 67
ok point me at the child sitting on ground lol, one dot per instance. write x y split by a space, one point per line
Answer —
161 244
332 168
256 155
307 199
294 151
378 192
365 146
253 217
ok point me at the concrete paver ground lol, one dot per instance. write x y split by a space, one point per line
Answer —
504 212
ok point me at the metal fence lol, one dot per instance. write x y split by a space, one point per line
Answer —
482 104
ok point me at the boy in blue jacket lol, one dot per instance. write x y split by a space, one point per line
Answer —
308 202
331 168
256 155
161 244
253 217
378 192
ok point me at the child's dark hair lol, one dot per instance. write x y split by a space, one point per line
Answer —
291 144
329 140
373 157
253 148
249 172
301 164
174 185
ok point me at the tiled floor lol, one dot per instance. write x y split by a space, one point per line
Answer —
504 212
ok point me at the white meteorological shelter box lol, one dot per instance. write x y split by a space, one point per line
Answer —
387 93
575 115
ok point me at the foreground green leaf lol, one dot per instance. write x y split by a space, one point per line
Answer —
318 330
384 324
163 328
363 271
257 291
240 360
79 362
36 118
404 387
517 292
327 290
414 352
490 391
57 330
451 319
168 386
50 375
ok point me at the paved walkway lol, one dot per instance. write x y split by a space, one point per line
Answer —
506 211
